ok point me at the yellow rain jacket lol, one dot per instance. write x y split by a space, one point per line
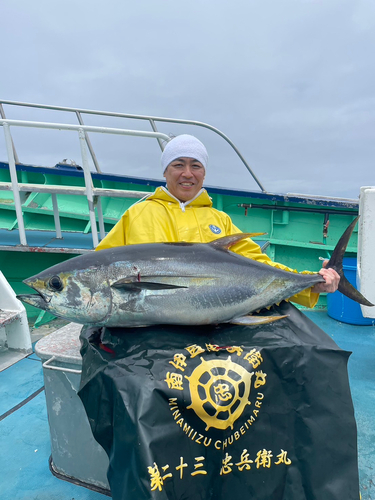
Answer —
163 218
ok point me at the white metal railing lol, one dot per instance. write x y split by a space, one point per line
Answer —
151 119
93 194
89 191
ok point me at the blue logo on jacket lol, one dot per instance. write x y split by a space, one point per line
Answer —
215 229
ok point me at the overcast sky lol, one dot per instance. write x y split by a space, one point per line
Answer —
291 82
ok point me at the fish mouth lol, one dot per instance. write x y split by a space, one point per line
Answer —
34 299
37 299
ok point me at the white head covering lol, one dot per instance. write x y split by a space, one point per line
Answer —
184 146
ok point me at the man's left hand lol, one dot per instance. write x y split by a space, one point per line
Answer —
332 279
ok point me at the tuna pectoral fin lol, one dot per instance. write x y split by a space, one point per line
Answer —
137 286
159 282
348 289
255 320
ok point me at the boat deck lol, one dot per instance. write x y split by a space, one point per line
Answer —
24 432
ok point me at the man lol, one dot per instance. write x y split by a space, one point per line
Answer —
183 212
296 419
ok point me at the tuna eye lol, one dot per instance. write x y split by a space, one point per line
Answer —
56 284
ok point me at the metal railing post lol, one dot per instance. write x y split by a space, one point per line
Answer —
15 187
56 216
89 187
154 128
99 209
88 142
2 114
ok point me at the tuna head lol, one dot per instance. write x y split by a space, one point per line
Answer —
78 295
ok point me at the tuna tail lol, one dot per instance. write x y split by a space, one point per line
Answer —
335 262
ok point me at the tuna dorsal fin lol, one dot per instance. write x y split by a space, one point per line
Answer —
335 262
226 242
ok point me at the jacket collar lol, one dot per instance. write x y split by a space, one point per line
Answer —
200 200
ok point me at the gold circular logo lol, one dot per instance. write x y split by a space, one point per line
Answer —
219 391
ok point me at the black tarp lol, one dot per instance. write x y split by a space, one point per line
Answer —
222 412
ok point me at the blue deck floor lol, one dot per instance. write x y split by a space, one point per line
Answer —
24 433
360 340
25 441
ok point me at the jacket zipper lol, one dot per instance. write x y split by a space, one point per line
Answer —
181 203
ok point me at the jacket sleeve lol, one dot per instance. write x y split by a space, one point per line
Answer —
146 222
248 248
117 235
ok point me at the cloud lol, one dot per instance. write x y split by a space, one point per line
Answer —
291 82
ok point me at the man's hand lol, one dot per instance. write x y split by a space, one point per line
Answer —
331 280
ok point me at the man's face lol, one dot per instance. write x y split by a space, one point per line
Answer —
185 178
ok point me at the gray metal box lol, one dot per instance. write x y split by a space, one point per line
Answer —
75 453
